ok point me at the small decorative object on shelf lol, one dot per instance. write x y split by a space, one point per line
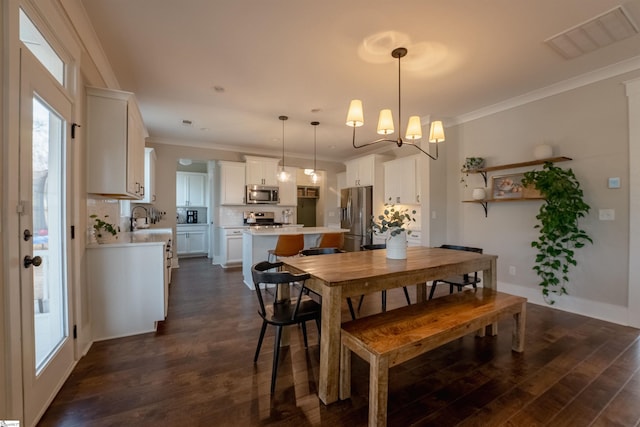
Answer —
542 151
104 231
478 193
471 165
394 221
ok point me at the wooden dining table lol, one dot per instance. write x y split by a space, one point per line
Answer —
350 274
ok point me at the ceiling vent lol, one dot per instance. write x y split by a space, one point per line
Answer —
601 31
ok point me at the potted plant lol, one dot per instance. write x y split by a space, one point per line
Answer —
393 221
559 231
471 164
103 230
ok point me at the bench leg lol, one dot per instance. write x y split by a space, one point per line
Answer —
345 372
517 339
378 390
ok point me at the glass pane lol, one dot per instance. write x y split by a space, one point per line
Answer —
41 49
48 231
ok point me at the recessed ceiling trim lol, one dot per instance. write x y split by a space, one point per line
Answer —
598 32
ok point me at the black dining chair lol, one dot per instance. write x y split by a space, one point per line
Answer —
373 247
281 313
460 280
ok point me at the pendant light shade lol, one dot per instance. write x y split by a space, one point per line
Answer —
414 128
385 122
314 174
283 175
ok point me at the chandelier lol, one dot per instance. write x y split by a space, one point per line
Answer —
355 118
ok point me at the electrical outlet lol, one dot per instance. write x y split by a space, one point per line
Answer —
512 270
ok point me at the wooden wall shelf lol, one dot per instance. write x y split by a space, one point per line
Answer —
483 172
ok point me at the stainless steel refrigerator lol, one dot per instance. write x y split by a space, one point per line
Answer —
356 210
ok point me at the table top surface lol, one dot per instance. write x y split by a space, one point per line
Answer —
339 269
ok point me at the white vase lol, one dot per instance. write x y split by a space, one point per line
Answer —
542 151
478 193
397 246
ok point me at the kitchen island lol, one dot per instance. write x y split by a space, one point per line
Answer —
256 243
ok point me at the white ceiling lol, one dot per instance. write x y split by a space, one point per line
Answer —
291 57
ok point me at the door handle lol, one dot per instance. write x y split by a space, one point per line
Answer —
35 261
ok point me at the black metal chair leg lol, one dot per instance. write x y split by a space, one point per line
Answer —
433 289
406 294
262 331
276 355
360 302
303 325
384 301
350 304
318 323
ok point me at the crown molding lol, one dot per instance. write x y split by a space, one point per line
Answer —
632 64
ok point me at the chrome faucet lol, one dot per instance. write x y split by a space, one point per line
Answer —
132 220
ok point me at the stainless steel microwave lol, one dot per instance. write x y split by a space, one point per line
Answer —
260 194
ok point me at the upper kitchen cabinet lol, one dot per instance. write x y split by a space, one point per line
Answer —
288 191
191 188
261 171
402 180
231 180
361 171
149 176
115 144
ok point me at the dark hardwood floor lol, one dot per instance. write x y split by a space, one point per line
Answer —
198 370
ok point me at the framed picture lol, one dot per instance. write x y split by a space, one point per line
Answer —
507 186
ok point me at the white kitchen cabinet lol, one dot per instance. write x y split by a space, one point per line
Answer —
149 193
127 289
261 171
191 188
232 187
115 144
402 181
192 239
232 247
361 171
288 191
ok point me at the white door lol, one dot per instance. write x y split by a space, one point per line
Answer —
45 114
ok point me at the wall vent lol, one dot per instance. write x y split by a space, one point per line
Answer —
601 31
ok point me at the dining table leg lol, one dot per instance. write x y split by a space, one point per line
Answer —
329 374
421 292
490 279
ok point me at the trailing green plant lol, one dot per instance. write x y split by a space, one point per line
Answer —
559 232
471 164
101 225
393 219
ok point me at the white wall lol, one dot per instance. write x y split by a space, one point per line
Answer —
588 124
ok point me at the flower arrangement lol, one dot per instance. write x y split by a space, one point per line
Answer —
101 226
393 219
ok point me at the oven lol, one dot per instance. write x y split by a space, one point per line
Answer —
260 194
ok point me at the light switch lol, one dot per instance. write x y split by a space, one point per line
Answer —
607 214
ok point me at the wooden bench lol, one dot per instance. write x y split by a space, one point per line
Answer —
390 338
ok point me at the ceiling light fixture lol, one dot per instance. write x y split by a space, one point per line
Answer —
283 175
185 162
355 118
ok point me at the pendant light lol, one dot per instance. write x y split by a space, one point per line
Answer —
314 173
283 175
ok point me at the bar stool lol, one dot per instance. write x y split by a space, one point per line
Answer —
287 245
331 240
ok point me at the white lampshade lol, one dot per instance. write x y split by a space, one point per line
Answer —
414 128
315 178
385 122
437 132
355 116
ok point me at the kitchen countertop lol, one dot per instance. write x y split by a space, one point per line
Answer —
294 230
138 237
